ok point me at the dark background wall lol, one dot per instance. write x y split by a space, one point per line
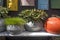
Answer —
20 8
52 11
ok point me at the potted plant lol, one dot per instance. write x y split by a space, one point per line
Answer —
34 18
15 25
3 14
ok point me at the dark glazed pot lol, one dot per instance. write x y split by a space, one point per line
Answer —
34 26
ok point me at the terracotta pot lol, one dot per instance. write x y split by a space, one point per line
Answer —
52 25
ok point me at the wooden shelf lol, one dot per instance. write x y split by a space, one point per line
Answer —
30 34
35 34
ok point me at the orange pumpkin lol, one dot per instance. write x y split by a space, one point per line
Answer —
52 25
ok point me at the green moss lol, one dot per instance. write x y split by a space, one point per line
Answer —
14 21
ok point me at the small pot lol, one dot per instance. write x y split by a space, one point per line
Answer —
34 27
14 29
2 26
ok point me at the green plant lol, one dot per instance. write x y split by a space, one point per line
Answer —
14 21
33 14
3 12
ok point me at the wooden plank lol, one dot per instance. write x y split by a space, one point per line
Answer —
2 38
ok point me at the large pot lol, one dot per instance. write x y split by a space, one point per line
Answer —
34 26
2 26
14 29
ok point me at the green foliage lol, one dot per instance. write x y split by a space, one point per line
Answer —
33 14
14 21
3 12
